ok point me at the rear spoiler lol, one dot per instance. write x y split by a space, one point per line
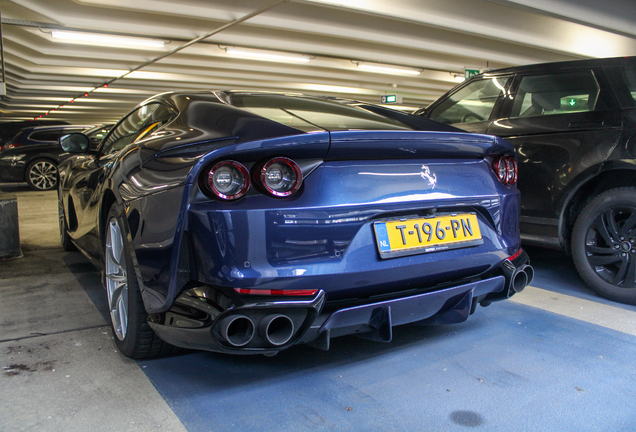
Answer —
352 145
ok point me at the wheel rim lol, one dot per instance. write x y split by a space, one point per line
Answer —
610 246
116 279
43 175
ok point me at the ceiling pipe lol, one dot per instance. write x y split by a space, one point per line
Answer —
187 44
199 39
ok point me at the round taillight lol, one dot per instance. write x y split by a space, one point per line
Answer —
499 167
511 170
505 168
228 180
281 177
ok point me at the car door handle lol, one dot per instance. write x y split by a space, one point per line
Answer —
586 124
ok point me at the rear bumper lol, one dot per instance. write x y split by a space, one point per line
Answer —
11 171
202 317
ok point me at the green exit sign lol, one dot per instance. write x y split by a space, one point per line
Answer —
469 73
391 99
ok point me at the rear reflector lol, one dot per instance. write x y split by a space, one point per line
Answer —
277 292
516 255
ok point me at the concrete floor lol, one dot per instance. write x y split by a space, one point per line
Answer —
555 357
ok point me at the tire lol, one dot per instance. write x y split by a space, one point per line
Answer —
604 244
65 239
41 175
128 317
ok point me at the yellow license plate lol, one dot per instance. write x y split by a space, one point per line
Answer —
430 234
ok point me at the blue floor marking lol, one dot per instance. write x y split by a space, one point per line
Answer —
555 271
509 368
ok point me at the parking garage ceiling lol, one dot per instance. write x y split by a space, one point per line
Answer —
426 44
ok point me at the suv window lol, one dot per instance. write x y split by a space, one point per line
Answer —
472 103
51 135
137 125
564 93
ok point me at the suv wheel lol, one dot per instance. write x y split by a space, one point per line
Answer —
42 175
604 244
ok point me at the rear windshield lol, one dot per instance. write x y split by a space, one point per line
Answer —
313 115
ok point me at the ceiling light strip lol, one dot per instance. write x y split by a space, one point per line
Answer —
256 54
387 69
187 44
106 39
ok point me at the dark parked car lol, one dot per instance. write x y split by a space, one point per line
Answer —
37 164
9 129
40 135
573 125
250 222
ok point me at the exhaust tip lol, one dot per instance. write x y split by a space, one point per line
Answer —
277 329
530 272
519 281
237 330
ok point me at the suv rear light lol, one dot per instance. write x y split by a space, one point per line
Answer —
228 180
281 177
505 168
11 146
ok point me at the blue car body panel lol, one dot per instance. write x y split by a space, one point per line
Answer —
328 226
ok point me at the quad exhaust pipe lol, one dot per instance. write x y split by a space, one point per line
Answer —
277 329
239 330
521 278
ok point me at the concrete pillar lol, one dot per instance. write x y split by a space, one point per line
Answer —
9 226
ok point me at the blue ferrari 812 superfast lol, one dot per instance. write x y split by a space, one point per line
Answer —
248 222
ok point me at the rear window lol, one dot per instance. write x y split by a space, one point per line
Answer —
551 94
51 135
313 115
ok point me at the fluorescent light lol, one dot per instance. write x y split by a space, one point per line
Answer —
267 55
408 108
102 39
388 69
333 89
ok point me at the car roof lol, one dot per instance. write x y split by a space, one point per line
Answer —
57 127
563 65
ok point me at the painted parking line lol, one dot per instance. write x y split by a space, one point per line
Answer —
607 316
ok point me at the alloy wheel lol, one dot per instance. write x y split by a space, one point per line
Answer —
116 279
43 175
610 246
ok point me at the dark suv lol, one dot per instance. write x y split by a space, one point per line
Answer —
40 135
573 125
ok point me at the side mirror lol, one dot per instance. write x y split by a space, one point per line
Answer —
75 143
